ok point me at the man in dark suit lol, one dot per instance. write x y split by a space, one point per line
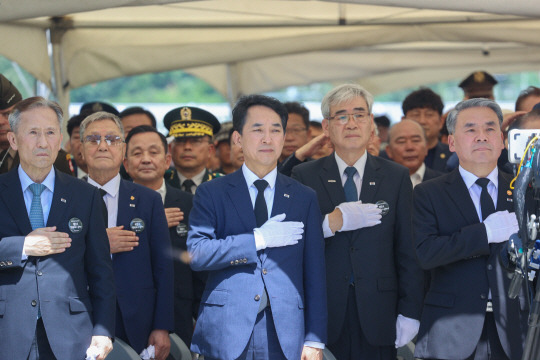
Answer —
193 129
56 282
407 145
138 236
461 221
258 234
425 107
374 284
146 161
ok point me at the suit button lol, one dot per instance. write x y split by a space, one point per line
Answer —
352 249
39 273
257 298
482 296
264 271
34 303
490 267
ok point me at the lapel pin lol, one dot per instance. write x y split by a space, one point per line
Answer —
332 181
509 192
137 225
63 200
372 183
75 225
443 156
131 205
286 195
510 199
132 197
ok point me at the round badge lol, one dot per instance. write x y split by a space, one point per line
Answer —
137 225
75 225
182 229
383 205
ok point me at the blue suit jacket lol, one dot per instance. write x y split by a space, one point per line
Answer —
76 289
144 276
221 240
452 243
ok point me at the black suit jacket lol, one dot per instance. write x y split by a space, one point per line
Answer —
188 285
75 289
431 174
442 154
451 241
387 277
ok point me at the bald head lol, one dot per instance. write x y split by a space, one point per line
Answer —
407 144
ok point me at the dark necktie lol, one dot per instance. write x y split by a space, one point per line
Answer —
187 185
105 212
351 193
486 202
261 215
261 211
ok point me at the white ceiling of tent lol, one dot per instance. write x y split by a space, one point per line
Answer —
245 46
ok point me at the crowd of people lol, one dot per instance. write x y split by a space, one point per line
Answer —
271 236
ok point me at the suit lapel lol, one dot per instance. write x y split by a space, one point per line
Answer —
61 199
13 199
127 202
331 180
459 194
371 180
239 196
282 196
504 196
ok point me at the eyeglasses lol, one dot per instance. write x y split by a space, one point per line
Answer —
195 140
295 130
361 117
111 140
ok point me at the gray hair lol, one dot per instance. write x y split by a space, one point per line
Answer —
344 93
31 103
99 116
471 103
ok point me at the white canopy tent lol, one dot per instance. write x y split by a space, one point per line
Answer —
246 46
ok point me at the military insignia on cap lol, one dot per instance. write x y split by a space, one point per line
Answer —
181 229
383 205
97 107
185 113
479 76
75 225
137 225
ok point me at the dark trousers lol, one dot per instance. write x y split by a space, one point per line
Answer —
352 343
489 346
40 349
263 343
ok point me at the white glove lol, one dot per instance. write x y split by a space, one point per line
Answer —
500 225
276 233
357 215
406 330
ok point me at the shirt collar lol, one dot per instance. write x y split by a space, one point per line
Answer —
26 181
421 171
111 187
162 191
360 164
197 179
251 177
470 179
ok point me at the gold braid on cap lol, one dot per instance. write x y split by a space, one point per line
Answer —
190 128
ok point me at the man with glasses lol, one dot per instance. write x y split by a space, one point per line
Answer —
374 284
138 236
192 129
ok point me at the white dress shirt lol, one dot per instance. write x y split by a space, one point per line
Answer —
112 187
475 190
418 176
360 166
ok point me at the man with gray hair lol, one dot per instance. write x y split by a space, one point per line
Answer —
461 222
138 236
374 284
57 295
